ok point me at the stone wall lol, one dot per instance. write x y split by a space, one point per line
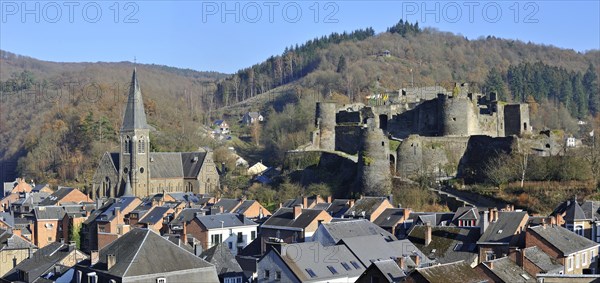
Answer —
438 156
325 122
346 138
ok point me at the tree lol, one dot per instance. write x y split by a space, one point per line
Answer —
495 83
342 67
590 84
74 234
501 169
256 129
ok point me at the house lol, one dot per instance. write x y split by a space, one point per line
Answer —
338 207
458 271
47 225
107 223
535 261
47 264
576 253
13 250
571 142
368 208
157 218
446 244
144 256
228 269
73 220
292 225
233 229
501 231
305 201
391 218
26 202
65 195
382 271
329 234
504 270
583 219
370 249
222 126
150 172
308 262
466 216
252 117
249 208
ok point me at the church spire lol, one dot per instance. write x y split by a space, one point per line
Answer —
135 117
128 192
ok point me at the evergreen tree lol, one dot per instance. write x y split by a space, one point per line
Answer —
341 67
590 84
495 83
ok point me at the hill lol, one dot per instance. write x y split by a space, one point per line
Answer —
57 118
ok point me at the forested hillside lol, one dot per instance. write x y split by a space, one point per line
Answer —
57 118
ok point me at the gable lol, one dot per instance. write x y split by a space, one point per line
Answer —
106 167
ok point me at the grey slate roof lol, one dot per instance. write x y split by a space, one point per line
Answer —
574 212
284 217
389 217
7 218
355 228
504 230
508 271
135 117
369 249
228 204
448 244
562 239
143 252
591 209
224 220
366 205
451 272
186 215
155 215
184 197
192 163
542 260
107 212
9 241
166 165
41 261
338 207
327 256
223 260
49 212
57 196
390 269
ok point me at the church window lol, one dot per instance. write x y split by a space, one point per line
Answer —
127 146
125 170
141 145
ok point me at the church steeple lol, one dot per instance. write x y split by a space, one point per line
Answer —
135 117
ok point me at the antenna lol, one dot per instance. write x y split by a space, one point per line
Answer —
134 60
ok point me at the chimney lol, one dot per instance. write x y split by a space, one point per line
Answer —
401 261
494 215
72 245
184 232
491 264
117 211
406 212
329 199
552 221
350 203
417 260
111 260
559 219
390 198
484 222
94 257
297 210
305 202
544 223
427 234
520 257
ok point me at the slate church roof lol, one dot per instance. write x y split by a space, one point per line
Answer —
135 117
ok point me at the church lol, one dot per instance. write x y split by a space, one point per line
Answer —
135 171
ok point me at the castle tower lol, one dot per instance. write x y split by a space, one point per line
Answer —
135 144
325 122
374 176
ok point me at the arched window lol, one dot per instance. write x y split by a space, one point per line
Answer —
127 145
141 145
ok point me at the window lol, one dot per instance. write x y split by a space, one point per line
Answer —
126 146
216 239
267 274
577 260
332 269
240 237
355 264
346 266
253 235
584 258
277 275
311 273
489 256
161 280
578 230
49 239
570 263
230 244
141 145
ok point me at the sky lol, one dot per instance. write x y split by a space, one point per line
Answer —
225 36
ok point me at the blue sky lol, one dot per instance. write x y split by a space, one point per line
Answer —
225 36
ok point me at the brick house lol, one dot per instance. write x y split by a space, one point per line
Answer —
235 230
576 253
47 225
65 195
